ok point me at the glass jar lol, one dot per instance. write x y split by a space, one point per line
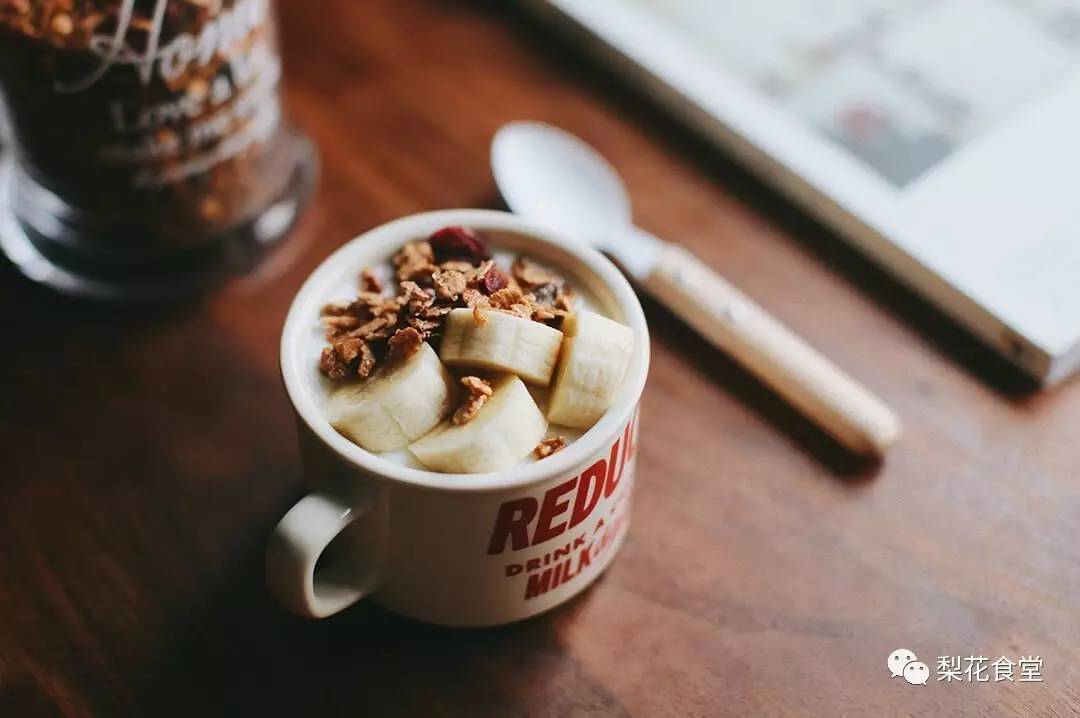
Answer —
146 153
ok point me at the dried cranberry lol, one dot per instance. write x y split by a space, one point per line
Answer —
494 280
459 243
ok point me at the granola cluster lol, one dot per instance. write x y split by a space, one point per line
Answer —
451 269
547 447
479 391
59 22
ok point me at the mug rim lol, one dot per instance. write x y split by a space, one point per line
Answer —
387 238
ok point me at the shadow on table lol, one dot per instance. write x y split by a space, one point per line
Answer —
748 390
34 313
239 653
936 328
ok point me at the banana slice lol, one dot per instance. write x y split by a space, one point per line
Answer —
592 363
503 432
396 405
504 342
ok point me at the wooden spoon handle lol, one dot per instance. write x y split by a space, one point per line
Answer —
772 352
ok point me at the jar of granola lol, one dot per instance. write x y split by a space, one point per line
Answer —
146 154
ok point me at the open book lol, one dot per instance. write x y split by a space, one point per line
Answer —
940 137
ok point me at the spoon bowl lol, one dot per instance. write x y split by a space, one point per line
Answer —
547 174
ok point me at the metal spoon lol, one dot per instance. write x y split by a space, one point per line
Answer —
558 180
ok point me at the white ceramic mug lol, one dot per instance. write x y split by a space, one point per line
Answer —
453 549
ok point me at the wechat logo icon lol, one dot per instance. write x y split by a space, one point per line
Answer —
903 662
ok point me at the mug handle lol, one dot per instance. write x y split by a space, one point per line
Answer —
312 581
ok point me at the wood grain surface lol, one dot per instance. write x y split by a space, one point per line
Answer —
145 454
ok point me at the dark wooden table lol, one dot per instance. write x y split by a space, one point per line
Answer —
145 455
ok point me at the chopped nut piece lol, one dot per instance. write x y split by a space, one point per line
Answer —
386 307
449 284
480 270
457 265
531 274
370 300
479 391
331 365
506 298
547 447
562 302
370 304
370 282
348 349
336 325
435 311
525 311
336 309
511 300
366 306
543 314
367 361
474 298
377 328
345 353
426 327
405 343
416 298
478 315
476 385
416 259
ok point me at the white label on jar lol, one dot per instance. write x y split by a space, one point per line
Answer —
213 118
220 36
230 121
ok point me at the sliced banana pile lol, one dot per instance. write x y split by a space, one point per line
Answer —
577 371
408 404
